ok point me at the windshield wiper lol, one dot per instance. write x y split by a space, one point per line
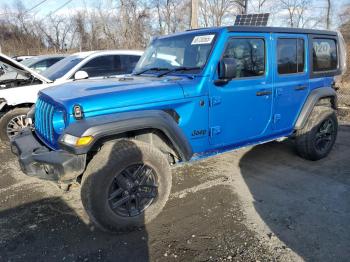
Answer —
151 69
181 68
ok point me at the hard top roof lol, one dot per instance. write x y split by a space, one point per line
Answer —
267 29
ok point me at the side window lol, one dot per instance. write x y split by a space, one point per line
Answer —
133 60
290 55
128 63
324 55
40 66
52 61
118 65
100 66
249 55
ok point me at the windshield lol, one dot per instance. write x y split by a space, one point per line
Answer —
9 72
60 68
30 61
184 51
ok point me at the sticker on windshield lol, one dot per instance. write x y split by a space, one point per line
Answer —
202 39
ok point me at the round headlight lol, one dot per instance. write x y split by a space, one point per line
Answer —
59 121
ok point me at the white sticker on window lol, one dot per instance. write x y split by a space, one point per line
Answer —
322 49
202 39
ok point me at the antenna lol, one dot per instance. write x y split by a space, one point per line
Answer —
252 20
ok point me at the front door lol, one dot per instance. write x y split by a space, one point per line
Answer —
240 111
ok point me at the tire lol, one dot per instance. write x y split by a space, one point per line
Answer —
314 141
109 173
5 121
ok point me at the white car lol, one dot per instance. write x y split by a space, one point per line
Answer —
20 85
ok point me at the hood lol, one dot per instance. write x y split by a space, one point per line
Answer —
19 66
108 94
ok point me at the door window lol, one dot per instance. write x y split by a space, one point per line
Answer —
129 62
290 55
249 55
100 66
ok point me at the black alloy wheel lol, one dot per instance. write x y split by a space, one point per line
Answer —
325 135
133 190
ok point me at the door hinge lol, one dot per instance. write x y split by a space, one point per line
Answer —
276 118
279 91
215 130
215 100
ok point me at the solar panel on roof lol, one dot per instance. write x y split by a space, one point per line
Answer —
252 19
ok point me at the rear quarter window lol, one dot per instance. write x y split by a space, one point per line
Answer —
324 55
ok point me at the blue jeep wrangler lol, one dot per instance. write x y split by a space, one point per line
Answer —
192 95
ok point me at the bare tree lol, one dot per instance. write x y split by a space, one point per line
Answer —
56 30
298 13
172 15
344 17
214 11
258 5
194 14
328 17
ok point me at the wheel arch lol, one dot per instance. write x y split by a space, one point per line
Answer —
324 96
7 107
152 126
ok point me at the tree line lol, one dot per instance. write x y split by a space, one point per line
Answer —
130 24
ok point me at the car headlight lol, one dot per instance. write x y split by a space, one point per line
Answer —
59 121
76 141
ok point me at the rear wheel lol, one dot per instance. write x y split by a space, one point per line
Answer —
126 185
12 123
316 139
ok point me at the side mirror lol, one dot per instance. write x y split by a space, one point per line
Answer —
227 71
80 75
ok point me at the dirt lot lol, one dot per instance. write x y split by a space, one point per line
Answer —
256 204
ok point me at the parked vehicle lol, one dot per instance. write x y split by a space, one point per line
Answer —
19 85
22 58
43 62
225 88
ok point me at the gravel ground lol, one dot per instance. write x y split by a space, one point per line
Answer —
260 203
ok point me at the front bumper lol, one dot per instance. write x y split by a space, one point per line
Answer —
37 160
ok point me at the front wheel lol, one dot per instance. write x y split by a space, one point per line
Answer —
316 139
13 122
126 185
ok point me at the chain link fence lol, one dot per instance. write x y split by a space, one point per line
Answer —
344 95
344 101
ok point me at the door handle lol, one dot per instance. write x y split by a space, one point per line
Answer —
300 87
264 93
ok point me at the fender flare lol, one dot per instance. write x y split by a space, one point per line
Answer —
311 102
105 126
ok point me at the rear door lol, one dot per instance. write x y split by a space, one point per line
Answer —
291 78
